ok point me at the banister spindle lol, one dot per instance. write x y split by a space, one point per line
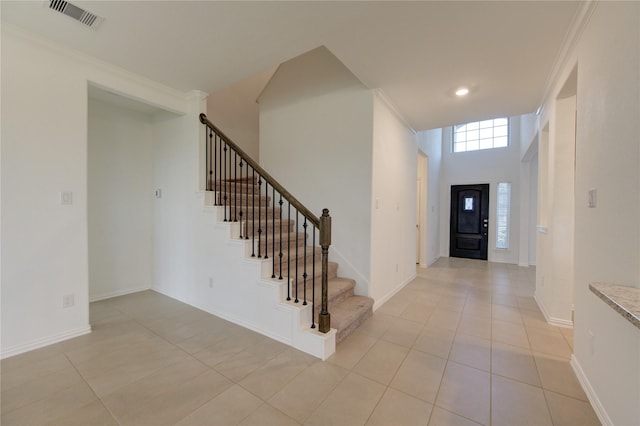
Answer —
313 281
241 193
304 267
235 186
280 215
266 216
289 253
253 214
226 191
259 216
296 268
273 232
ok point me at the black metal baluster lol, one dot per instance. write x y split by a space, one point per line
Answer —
253 215
215 167
313 282
235 186
228 175
207 161
219 164
304 268
246 207
273 232
259 215
225 183
289 253
280 215
266 217
296 288
241 192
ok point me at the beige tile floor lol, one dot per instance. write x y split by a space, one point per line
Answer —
463 344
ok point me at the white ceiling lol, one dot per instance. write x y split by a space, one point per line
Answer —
417 52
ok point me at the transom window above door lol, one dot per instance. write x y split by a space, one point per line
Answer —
478 135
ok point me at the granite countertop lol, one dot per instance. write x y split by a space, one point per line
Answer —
625 300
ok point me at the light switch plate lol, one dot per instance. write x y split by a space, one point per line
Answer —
593 198
66 198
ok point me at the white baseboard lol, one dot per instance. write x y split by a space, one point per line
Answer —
112 294
558 322
45 341
381 301
591 394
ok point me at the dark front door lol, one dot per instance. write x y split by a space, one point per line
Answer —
469 221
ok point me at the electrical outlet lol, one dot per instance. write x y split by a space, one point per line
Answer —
210 282
68 301
397 268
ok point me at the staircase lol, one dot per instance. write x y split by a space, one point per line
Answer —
289 241
268 236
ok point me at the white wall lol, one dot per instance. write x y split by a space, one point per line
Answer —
554 282
120 200
44 152
485 166
235 111
607 237
430 143
316 132
393 214
177 256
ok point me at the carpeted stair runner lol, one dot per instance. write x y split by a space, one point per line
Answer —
266 226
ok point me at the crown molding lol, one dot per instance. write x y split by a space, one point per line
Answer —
571 40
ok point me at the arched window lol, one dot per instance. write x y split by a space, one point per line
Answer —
485 134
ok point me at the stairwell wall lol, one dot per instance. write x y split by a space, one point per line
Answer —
393 210
326 163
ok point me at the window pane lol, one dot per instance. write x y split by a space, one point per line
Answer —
486 133
502 215
486 143
501 131
500 142
460 137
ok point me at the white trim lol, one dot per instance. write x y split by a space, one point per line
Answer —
177 97
384 98
558 322
578 24
117 293
46 341
381 301
590 392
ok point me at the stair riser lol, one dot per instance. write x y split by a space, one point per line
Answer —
250 202
232 187
293 261
250 228
333 299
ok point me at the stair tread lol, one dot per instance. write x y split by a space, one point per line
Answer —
349 314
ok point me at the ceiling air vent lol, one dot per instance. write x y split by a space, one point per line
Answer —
73 11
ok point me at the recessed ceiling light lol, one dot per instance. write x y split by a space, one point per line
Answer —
463 91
